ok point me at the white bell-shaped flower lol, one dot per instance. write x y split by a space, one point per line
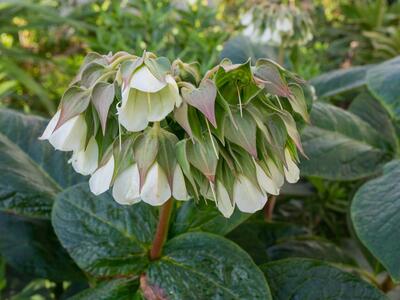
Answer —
223 201
247 196
68 137
179 191
266 182
266 36
102 177
284 24
126 186
85 161
147 99
156 190
292 172
276 175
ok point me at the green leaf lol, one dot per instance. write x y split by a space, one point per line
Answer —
270 77
103 237
255 237
32 172
340 81
102 97
242 131
307 279
30 246
203 98
202 216
74 102
341 146
121 289
205 266
371 111
375 212
383 81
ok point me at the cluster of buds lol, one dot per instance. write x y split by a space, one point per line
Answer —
153 130
278 24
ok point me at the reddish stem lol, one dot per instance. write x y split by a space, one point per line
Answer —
162 230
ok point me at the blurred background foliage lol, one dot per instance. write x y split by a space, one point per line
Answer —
43 43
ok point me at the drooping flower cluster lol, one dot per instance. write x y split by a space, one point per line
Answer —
277 24
122 116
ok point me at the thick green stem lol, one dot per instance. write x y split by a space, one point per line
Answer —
162 230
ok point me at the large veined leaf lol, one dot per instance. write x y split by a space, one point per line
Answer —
31 247
340 81
103 237
372 111
272 241
121 289
375 212
205 266
341 146
384 83
32 172
306 279
192 216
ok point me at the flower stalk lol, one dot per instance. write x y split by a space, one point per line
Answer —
162 230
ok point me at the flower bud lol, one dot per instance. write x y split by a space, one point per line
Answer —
156 190
266 182
179 191
147 99
292 172
85 161
102 177
223 201
126 186
247 196
68 137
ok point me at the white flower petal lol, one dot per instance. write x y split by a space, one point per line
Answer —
266 183
224 202
247 196
266 36
85 161
50 127
276 175
144 81
160 104
71 135
133 113
173 90
101 178
126 186
292 172
276 37
156 190
179 191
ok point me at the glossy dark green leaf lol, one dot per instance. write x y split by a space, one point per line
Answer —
202 216
103 237
374 113
375 212
384 83
256 236
32 172
340 81
341 146
121 289
30 246
206 266
306 279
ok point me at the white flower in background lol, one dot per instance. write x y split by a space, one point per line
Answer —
266 36
247 196
68 137
147 99
284 24
156 189
292 172
276 37
85 161
100 180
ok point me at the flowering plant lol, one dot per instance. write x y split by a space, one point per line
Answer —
152 130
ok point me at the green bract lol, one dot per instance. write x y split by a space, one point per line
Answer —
134 124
